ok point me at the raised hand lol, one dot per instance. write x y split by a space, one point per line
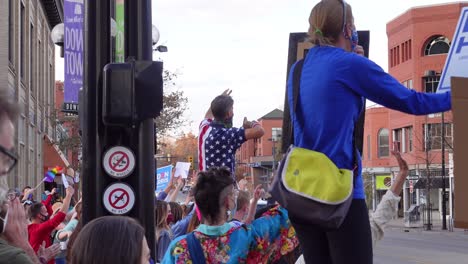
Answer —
227 92
70 191
258 192
359 50
16 229
48 253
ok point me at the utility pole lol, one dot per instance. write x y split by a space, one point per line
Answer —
428 179
117 107
444 209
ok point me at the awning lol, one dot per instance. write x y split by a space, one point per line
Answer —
436 183
53 156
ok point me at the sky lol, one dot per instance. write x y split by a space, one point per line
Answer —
243 45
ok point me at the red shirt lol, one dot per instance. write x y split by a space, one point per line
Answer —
39 233
47 204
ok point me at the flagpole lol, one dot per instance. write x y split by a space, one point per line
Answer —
38 184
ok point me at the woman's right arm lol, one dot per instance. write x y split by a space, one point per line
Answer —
372 82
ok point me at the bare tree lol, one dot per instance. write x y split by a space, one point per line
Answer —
174 107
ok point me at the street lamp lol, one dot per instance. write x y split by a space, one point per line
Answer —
58 36
156 35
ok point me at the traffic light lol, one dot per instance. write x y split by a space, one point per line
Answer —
190 159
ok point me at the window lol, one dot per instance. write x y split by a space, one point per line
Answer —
32 141
22 47
408 84
22 161
276 134
410 49
406 50
409 139
31 61
391 58
383 141
433 135
32 165
397 137
398 55
22 129
403 51
431 83
368 147
10 31
437 45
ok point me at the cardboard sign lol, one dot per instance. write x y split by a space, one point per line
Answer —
182 169
457 59
460 146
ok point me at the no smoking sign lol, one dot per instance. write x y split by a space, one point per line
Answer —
119 198
119 162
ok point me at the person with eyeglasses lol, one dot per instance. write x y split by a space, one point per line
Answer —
14 245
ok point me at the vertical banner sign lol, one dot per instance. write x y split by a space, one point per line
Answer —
74 16
119 38
163 176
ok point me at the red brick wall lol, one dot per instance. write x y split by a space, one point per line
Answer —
416 25
265 145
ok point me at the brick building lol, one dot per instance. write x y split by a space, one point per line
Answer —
27 69
256 158
418 43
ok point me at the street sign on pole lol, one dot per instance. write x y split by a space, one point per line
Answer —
119 162
118 199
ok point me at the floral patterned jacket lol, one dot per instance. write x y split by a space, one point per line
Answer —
265 240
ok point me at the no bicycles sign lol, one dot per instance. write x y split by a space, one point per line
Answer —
119 198
119 162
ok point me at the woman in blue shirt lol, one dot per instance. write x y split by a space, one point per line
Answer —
334 85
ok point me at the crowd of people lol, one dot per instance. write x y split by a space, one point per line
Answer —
220 221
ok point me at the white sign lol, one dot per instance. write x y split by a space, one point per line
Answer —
65 182
182 169
119 198
457 60
119 162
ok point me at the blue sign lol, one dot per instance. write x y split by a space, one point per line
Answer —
163 176
457 60
73 48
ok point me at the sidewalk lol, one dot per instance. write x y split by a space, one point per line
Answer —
399 224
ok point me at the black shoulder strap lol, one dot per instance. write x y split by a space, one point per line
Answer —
297 83
195 249
287 137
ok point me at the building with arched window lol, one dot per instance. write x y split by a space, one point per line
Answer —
418 43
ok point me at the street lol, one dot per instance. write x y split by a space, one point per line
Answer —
421 247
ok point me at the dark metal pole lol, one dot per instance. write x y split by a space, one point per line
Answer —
138 44
428 183
444 209
97 54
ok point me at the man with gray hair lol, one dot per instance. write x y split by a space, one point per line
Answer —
14 244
